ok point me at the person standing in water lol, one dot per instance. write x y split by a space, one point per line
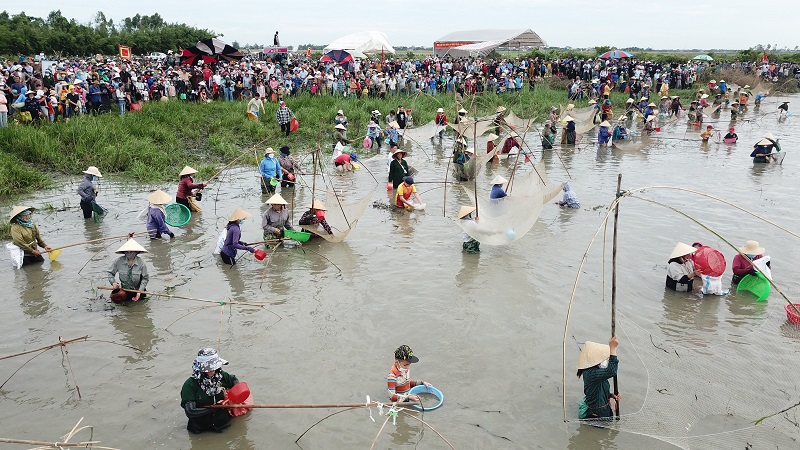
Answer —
596 364
25 234
207 386
470 244
186 185
233 237
88 191
270 170
399 380
156 224
132 272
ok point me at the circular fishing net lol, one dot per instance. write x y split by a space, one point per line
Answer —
177 215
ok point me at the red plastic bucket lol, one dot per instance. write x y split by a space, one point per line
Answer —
260 254
290 176
239 393
320 214
792 315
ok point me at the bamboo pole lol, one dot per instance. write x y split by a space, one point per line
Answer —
311 406
244 152
61 342
614 287
162 294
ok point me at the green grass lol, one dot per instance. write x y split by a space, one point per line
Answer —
154 144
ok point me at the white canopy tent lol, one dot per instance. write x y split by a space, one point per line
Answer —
466 43
364 42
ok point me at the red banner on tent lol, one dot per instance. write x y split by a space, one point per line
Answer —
124 52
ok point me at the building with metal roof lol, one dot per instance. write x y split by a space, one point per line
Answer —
481 42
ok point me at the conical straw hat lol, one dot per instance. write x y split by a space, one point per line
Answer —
764 142
500 109
593 354
682 249
318 205
465 210
605 123
187 171
498 180
131 246
18 209
768 135
92 170
159 197
276 200
239 214
569 119
394 124
492 136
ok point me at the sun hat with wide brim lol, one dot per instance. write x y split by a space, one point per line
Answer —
159 197
630 100
394 124
92 170
752 248
340 127
187 171
276 200
399 150
492 136
465 210
18 209
208 360
498 180
462 111
651 104
569 119
239 214
681 249
592 354
269 151
500 109
131 246
439 110
605 123
318 205
764 141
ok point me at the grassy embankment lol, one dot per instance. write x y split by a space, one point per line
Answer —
153 145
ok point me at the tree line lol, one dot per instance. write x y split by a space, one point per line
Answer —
56 35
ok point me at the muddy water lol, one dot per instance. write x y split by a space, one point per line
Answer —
488 328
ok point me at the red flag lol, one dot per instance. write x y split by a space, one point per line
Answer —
765 59
124 52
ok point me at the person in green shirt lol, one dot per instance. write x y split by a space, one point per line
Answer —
207 386
398 168
25 234
132 273
597 363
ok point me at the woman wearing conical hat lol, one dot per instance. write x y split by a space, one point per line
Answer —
156 225
186 186
233 237
315 216
25 234
681 272
470 244
88 191
131 270
276 218
596 364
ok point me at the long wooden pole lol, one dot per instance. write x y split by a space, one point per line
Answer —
244 152
48 347
162 294
310 406
614 286
128 235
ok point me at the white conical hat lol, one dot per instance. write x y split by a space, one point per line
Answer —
187 171
276 200
492 136
764 141
498 180
131 246
682 249
593 354
569 119
465 210
500 109
768 135
159 197
92 170
318 205
239 214
605 123
18 209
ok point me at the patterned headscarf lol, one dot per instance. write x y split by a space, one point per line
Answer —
208 360
25 223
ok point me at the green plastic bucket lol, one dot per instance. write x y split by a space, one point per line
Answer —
299 236
177 215
757 284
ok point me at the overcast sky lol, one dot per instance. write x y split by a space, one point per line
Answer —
699 24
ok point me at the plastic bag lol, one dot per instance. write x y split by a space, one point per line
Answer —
761 265
220 241
16 254
712 285
294 125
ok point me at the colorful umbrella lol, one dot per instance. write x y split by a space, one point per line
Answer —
210 50
337 56
616 54
703 58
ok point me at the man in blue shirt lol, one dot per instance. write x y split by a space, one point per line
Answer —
270 170
94 96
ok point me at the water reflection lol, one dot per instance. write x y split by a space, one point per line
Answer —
591 437
35 301
688 317
135 326
406 431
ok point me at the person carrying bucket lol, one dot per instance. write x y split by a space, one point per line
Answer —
276 218
88 191
132 273
25 235
596 364
316 216
208 385
399 380
156 225
270 170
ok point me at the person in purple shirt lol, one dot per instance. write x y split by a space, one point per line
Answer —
233 237
156 225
